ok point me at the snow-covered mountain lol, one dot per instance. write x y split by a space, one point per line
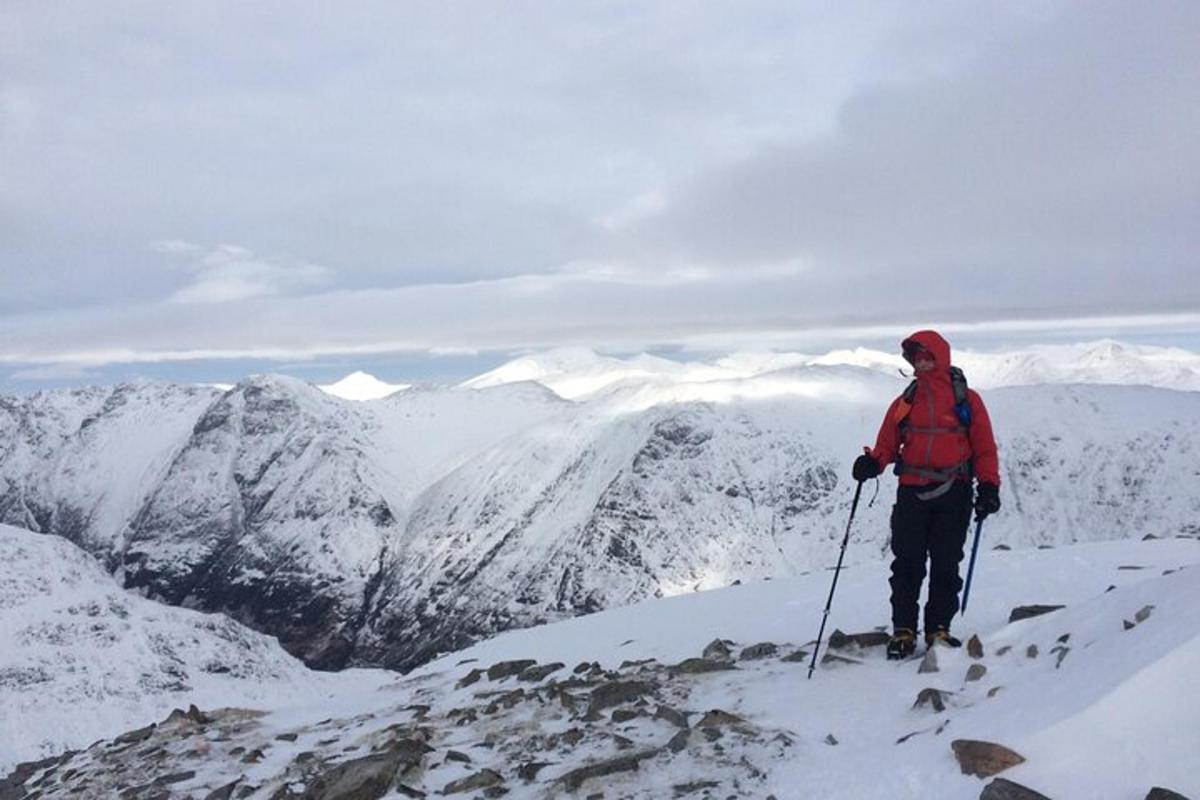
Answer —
83 659
705 696
387 531
362 386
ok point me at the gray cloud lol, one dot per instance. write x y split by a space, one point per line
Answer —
472 177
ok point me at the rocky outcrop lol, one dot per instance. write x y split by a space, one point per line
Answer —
983 759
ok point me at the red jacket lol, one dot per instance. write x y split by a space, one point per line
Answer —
933 408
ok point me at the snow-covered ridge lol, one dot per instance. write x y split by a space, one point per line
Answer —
84 659
579 373
390 531
705 696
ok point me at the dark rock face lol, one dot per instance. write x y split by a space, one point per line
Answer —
1025 612
1159 793
1002 789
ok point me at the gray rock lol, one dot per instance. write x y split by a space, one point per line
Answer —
719 719
175 777
1031 651
505 669
679 741
930 662
576 777
934 698
1003 789
975 672
615 693
671 715
699 666
1025 612
483 779
540 673
717 650
756 651
1143 614
1159 793
471 677
224 792
529 770
840 641
798 657
983 759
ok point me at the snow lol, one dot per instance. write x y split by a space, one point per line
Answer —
1118 716
83 659
361 386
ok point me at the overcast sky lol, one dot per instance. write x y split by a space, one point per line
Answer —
226 183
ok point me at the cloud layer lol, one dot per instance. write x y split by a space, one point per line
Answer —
464 177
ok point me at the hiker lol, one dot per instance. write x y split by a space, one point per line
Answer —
939 436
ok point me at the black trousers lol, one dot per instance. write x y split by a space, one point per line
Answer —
933 530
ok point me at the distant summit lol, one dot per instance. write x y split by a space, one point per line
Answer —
361 386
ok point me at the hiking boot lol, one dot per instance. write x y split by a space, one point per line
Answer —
941 636
901 645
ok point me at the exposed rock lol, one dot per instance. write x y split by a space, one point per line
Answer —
671 715
471 677
540 673
136 736
717 650
975 647
530 769
621 715
582 667
363 778
224 792
1004 649
983 759
831 739
718 719
1128 625
699 666
576 777
1031 651
1159 793
760 650
930 662
1025 612
839 640
505 669
615 693
975 672
1143 614
1062 651
931 697
995 690
684 789
679 741
835 659
637 663
175 777
483 779
287 737
456 755
800 656
1003 789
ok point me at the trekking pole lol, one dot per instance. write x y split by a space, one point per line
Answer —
836 572
971 566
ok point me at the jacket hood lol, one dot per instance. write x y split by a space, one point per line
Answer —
938 347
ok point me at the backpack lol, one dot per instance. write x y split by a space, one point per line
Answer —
962 409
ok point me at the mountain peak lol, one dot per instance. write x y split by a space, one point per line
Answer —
360 385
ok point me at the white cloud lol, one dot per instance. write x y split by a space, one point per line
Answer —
230 273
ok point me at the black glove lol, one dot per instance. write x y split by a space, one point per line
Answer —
865 468
987 500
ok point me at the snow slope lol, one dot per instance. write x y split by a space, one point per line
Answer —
83 659
1102 708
